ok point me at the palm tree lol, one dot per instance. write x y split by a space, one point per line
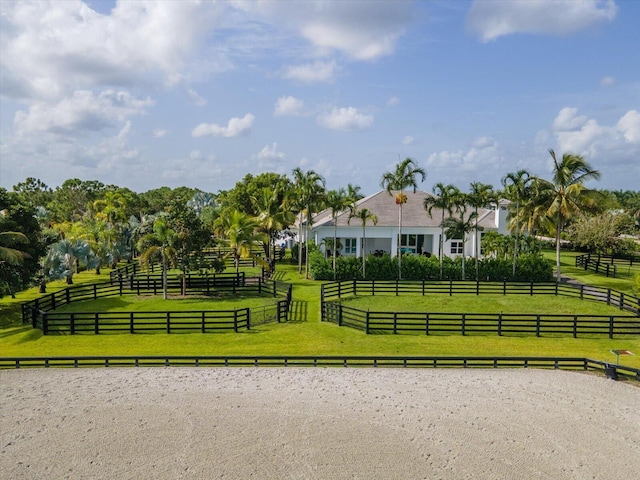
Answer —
459 227
364 215
8 254
445 195
240 232
565 195
516 188
65 257
159 244
309 189
480 196
337 201
404 176
273 216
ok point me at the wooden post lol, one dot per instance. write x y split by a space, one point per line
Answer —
168 321
531 289
538 325
464 317
395 322
500 324
608 296
72 323
581 292
203 318
95 291
235 321
575 326
366 324
621 300
45 324
131 323
611 326
427 325
96 323
450 287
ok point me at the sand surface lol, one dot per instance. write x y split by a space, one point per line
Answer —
316 423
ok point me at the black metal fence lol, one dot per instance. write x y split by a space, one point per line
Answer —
337 290
605 264
435 323
40 313
564 363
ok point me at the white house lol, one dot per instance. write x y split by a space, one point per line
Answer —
420 232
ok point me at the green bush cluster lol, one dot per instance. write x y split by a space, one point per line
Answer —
529 267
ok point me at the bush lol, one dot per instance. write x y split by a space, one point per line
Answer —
530 267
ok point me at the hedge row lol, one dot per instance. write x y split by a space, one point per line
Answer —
529 267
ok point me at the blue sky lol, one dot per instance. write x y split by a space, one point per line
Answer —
150 93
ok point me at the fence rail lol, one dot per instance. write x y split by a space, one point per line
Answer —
594 265
436 323
40 313
565 363
602 259
337 290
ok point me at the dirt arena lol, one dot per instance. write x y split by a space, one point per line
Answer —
316 423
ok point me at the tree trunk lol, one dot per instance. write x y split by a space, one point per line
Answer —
442 246
364 243
558 228
335 246
400 239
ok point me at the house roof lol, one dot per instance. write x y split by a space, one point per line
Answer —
413 212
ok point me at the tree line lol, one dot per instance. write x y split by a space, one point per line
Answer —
48 233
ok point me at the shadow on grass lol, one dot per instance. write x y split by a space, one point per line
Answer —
298 311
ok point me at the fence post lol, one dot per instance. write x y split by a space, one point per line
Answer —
581 291
373 287
45 324
366 325
397 286
538 325
355 287
168 322
500 324
96 323
504 286
450 286
477 287
95 291
423 287
556 289
611 326
608 296
464 317
53 301
235 321
72 323
203 322
120 284
531 288
248 311
340 315
575 326
621 300
427 325
395 322
131 323
67 295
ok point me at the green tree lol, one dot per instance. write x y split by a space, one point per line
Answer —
337 201
239 232
516 189
364 215
159 245
480 196
404 175
565 196
458 227
33 192
444 201
308 192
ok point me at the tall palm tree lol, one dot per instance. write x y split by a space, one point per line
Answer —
517 188
159 244
273 216
309 188
480 196
404 175
364 215
337 201
460 226
443 200
240 232
565 195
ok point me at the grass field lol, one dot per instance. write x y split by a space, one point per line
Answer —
303 335
443 303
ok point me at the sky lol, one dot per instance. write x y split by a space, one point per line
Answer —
143 94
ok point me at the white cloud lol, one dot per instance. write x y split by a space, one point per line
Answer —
629 125
393 101
160 133
483 155
345 119
82 111
198 100
567 120
270 153
607 81
361 30
54 47
408 140
288 106
312 72
490 19
235 127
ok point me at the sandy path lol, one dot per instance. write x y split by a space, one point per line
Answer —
316 423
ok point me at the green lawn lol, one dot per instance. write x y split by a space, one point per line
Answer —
303 335
466 303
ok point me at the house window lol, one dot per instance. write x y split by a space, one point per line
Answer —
457 247
349 246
